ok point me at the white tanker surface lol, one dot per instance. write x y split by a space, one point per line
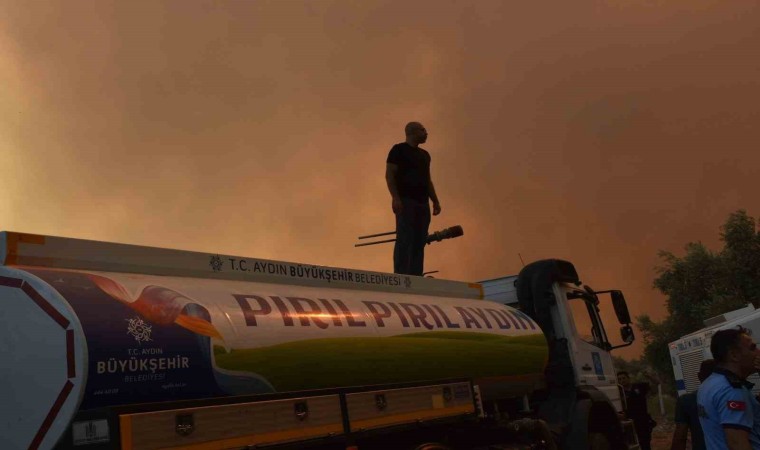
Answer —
77 339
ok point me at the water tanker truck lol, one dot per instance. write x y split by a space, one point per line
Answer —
113 346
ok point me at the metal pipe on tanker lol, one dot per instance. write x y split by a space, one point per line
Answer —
436 236
373 243
376 235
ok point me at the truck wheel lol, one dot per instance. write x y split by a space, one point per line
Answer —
598 441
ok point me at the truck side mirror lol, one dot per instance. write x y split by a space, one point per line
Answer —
621 309
626 332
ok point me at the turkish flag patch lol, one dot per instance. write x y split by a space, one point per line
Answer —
736 406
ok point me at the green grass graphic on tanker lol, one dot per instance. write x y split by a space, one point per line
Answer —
332 362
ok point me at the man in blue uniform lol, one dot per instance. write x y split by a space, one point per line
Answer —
728 412
407 174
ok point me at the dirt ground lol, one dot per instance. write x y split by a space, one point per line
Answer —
662 435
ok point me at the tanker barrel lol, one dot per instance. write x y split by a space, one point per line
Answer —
122 325
446 233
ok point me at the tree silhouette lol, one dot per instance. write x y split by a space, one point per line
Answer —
702 284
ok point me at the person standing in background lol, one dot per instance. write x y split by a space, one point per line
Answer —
637 409
687 414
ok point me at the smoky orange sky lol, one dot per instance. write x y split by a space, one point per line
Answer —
594 131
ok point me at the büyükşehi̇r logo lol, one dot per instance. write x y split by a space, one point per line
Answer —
216 263
139 330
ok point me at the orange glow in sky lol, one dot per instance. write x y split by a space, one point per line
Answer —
598 132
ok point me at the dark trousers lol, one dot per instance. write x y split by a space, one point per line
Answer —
643 432
411 234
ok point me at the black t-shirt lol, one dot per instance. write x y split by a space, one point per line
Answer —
413 174
636 399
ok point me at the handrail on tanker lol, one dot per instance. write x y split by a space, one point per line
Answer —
23 249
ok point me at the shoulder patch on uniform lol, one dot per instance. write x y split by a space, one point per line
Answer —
734 405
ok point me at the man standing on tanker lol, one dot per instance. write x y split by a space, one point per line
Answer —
407 173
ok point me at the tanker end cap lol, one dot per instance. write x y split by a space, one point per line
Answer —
446 233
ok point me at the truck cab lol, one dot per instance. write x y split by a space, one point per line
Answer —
570 314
